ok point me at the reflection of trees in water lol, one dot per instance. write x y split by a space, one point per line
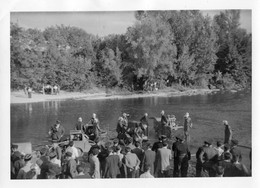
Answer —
52 106
29 108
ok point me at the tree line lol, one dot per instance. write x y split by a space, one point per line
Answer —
171 48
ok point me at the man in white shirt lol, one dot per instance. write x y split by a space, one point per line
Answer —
72 149
164 160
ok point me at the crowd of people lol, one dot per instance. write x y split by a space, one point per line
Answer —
130 155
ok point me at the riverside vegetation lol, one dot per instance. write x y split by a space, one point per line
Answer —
177 49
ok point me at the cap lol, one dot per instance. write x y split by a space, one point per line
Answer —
225 122
27 157
209 141
52 155
43 151
115 141
163 137
181 137
14 146
58 121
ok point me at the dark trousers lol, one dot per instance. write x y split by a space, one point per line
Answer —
164 173
132 173
183 165
198 169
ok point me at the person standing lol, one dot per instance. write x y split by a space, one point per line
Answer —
57 131
199 165
228 133
183 156
235 151
145 125
164 157
209 158
28 167
95 123
69 169
94 164
132 164
72 149
187 126
79 125
139 152
149 159
112 165
219 149
175 159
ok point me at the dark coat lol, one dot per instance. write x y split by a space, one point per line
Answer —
112 166
149 159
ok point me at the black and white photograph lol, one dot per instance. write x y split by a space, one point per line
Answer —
162 93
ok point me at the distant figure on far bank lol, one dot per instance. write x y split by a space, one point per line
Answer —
228 133
29 90
186 126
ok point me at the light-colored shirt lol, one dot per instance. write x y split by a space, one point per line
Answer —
94 167
219 150
131 160
146 175
164 155
24 170
74 152
56 161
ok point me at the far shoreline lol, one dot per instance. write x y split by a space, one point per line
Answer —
19 97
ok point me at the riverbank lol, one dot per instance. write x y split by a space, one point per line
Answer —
21 97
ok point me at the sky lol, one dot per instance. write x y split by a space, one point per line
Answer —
97 23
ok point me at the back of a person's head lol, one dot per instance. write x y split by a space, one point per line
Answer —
95 151
110 149
164 144
220 170
227 156
219 144
149 145
118 147
235 158
71 143
80 169
147 167
137 144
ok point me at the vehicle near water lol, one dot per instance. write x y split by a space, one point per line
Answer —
167 130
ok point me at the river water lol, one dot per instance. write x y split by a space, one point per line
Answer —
30 122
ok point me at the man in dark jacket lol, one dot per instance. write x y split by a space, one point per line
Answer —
183 156
235 151
70 166
174 147
112 165
149 158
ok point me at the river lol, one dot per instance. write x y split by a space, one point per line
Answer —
30 122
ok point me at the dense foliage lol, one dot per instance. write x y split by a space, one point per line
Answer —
171 48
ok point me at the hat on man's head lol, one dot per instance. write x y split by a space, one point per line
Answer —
234 142
208 141
115 141
52 155
225 122
43 150
69 154
163 137
128 149
27 157
95 151
181 137
14 146
58 121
